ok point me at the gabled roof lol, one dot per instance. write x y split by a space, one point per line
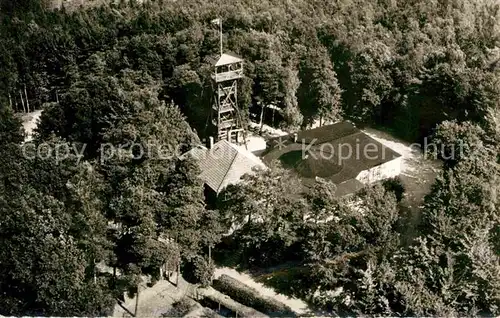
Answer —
320 135
348 187
337 153
327 133
224 164
228 58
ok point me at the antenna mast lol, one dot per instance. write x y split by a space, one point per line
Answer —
218 21
220 24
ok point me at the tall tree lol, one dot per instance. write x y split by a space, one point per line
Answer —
11 130
319 94
264 210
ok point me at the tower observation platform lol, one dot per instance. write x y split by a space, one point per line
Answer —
226 118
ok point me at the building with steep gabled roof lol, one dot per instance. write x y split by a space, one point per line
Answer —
223 164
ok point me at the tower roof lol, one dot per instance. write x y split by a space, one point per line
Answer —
228 59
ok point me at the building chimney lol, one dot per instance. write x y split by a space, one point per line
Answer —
210 142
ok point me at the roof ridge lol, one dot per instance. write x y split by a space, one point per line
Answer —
233 54
381 144
247 154
228 58
230 165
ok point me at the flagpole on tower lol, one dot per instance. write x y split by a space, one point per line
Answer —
220 23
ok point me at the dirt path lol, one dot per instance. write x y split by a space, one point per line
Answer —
155 301
30 122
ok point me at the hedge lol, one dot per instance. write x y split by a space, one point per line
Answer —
180 308
250 297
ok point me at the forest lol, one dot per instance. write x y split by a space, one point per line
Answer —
139 73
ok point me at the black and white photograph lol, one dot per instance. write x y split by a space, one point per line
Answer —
249 158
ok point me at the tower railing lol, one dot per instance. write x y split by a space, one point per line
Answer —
227 76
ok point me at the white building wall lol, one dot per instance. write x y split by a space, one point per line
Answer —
384 171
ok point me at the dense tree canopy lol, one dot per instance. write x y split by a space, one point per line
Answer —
406 65
54 234
126 87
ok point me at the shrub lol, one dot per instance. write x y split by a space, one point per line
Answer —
221 307
250 297
199 271
180 308
396 186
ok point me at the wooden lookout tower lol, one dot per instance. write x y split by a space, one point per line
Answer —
226 117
